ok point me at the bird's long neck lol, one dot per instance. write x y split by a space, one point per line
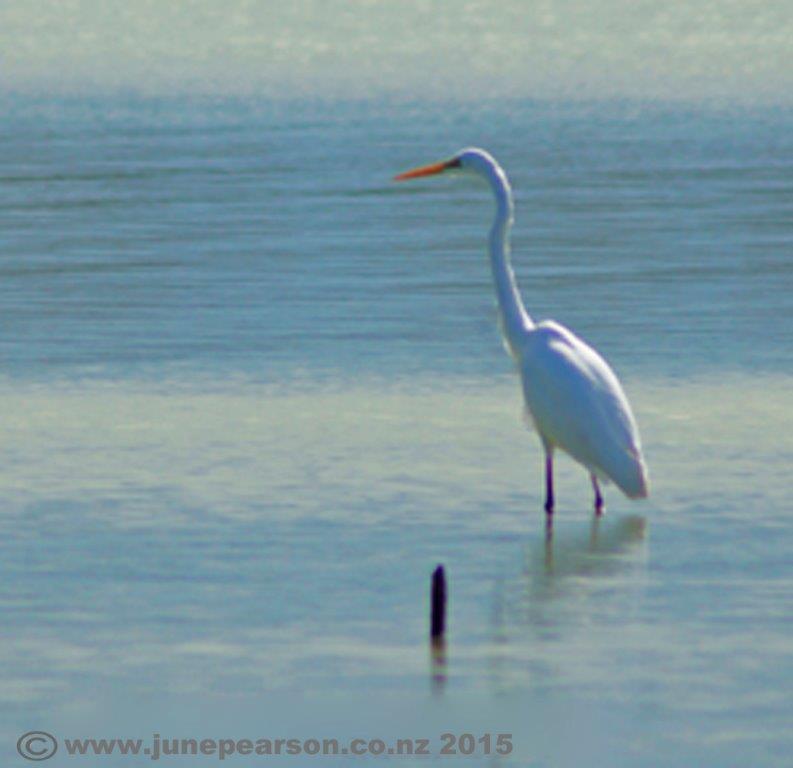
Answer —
514 318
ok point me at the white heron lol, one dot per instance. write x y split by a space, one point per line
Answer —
572 396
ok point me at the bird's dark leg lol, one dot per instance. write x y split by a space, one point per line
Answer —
549 484
599 505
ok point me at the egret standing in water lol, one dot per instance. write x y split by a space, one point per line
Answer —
573 397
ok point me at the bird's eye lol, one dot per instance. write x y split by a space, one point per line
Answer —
455 163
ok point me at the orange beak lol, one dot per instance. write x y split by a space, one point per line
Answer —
425 170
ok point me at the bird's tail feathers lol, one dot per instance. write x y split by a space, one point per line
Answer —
634 480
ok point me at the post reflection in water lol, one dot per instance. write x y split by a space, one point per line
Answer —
438 672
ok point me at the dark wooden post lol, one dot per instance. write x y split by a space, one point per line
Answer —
438 604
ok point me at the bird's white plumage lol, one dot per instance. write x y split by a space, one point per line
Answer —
577 404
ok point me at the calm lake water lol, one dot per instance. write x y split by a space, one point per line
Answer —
253 392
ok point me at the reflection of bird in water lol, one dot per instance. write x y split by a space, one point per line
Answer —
565 585
536 597
587 553
573 397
